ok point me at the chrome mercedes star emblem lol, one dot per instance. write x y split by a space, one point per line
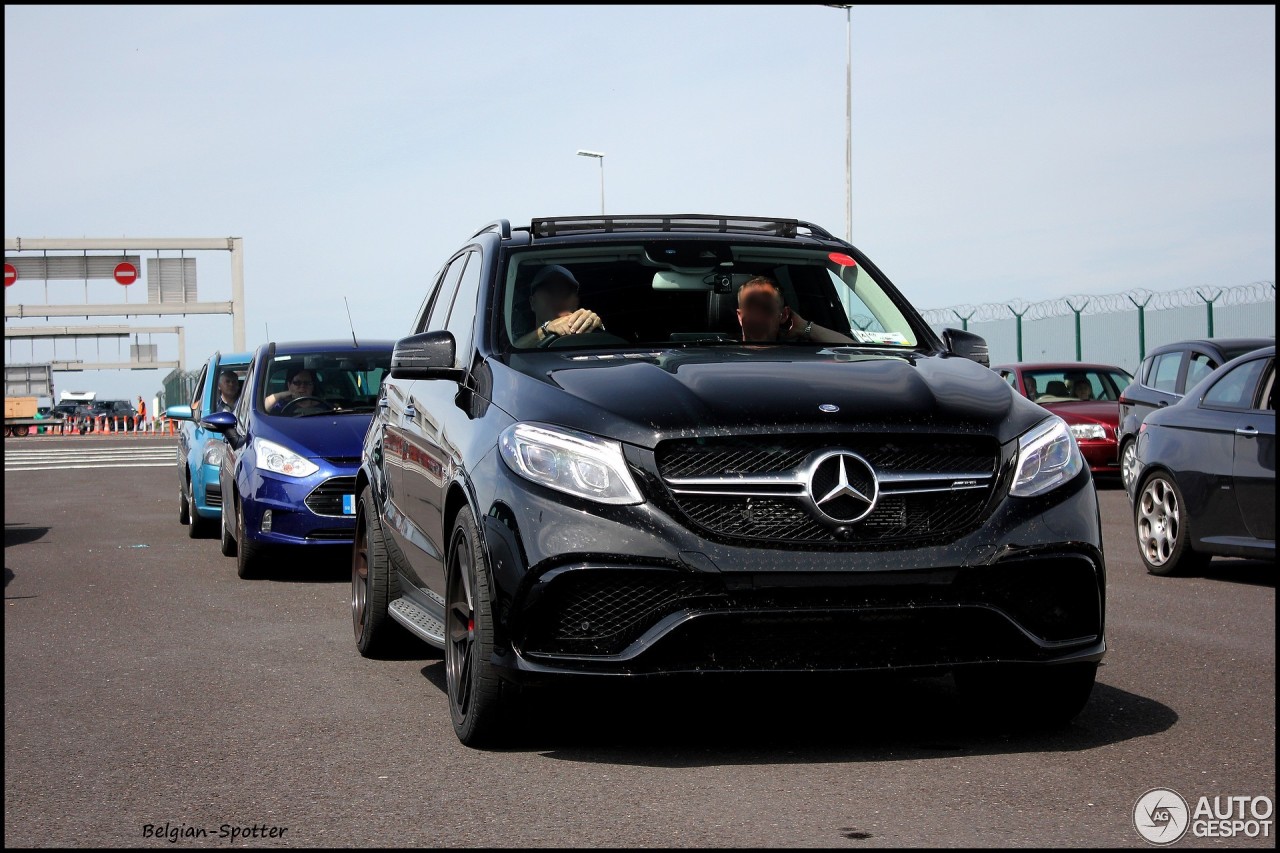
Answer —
843 487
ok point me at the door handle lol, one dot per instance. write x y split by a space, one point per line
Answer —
1247 432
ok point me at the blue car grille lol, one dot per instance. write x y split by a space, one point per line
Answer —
326 498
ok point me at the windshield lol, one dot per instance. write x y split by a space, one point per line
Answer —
301 384
682 293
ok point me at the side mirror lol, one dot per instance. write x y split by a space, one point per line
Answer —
429 355
178 413
220 422
967 345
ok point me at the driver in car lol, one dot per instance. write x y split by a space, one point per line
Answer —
553 296
301 388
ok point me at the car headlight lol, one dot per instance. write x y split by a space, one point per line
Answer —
571 462
281 460
1047 457
213 453
1090 432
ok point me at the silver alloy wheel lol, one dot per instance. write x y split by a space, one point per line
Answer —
1159 521
1129 464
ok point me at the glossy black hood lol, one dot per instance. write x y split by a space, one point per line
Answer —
642 398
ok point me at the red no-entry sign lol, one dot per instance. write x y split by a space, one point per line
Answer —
126 273
10 274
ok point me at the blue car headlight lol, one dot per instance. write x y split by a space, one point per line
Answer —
571 462
281 460
1047 457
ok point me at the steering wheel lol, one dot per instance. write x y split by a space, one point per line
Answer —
289 405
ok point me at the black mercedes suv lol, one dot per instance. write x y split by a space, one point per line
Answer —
581 465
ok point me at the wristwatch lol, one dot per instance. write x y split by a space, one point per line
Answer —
546 332
808 327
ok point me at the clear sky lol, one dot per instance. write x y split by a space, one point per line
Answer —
999 152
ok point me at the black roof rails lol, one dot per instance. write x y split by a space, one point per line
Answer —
683 222
502 226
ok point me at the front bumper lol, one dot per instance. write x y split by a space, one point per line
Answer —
316 511
631 591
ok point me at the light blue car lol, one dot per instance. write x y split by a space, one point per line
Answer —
200 449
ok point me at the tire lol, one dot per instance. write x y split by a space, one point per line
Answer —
1160 521
374 584
198 527
249 554
1045 696
475 691
184 508
228 543
1128 464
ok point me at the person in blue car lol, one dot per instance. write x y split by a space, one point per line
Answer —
299 396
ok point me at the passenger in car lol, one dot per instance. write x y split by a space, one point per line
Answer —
553 296
228 390
1083 390
765 317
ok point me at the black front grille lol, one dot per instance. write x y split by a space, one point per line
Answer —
326 498
213 495
593 614
343 461
941 454
922 517
909 617
329 534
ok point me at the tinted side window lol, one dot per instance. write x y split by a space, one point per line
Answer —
443 298
1198 368
1163 375
1236 388
462 317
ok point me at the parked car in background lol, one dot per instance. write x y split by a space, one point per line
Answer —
1086 396
1165 375
117 415
1206 478
76 417
288 471
200 448
638 491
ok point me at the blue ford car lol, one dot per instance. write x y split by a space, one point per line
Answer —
293 447
199 448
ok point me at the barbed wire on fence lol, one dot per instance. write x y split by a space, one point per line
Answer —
1130 300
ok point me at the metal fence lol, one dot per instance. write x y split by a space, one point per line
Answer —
1116 328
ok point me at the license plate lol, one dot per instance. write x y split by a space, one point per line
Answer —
348 504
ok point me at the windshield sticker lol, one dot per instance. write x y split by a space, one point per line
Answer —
841 259
879 337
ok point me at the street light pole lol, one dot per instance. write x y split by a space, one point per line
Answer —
848 121
599 156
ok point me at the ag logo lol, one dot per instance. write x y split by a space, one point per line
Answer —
1161 816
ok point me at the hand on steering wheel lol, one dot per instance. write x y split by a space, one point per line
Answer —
289 405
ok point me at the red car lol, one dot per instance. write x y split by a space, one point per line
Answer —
1086 396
